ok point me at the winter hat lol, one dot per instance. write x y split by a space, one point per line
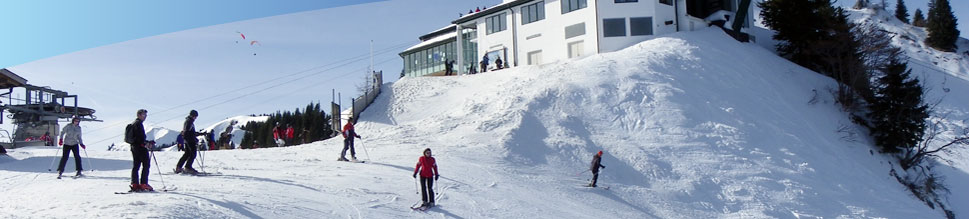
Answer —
426 150
600 153
193 113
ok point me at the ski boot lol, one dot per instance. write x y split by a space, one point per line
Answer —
135 187
179 170
147 188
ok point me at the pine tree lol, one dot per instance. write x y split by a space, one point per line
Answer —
818 36
918 19
941 26
901 13
898 114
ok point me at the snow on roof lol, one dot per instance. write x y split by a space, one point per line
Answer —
436 39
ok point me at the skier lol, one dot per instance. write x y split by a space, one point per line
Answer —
47 139
191 146
226 136
498 63
289 134
426 165
73 134
349 135
595 167
135 135
278 134
180 141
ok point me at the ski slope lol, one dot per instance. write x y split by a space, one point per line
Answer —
692 125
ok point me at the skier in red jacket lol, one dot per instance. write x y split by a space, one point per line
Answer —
349 135
425 165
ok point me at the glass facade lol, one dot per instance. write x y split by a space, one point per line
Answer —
431 60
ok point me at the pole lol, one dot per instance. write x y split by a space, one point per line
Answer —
50 167
164 187
88 158
416 186
365 149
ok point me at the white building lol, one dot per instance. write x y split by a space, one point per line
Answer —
530 32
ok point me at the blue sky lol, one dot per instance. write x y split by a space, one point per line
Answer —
38 29
34 30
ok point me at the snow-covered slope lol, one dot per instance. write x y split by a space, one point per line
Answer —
237 132
693 125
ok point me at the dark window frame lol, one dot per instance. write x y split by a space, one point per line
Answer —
495 24
572 5
613 29
625 1
640 32
533 12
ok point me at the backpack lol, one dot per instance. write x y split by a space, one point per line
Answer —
129 138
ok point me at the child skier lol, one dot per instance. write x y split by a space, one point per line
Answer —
595 167
425 165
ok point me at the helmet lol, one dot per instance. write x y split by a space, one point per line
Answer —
193 113
600 153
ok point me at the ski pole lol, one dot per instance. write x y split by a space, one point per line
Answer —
416 185
159 169
50 167
365 149
88 158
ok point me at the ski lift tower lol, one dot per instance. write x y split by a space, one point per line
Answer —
36 113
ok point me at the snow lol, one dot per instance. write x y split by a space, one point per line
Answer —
692 125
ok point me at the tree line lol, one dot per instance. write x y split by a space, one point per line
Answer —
875 85
309 125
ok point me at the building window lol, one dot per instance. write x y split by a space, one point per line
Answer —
575 49
535 57
625 1
575 30
614 27
641 26
532 13
667 2
572 5
495 24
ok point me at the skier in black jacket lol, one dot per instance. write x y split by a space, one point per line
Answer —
139 153
191 145
595 167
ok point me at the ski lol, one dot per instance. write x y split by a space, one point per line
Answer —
153 191
590 187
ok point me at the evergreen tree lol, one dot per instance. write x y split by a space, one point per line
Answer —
818 36
918 19
898 113
901 13
941 26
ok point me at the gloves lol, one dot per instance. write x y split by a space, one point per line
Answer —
414 176
604 167
84 147
358 137
60 142
436 177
